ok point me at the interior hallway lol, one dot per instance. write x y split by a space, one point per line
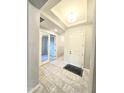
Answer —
74 33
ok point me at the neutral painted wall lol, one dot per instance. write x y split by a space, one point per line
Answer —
92 19
33 46
88 42
60 45
92 76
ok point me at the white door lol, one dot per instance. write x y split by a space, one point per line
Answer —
75 48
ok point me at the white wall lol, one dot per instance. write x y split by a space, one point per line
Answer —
33 46
92 76
61 45
92 19
88 43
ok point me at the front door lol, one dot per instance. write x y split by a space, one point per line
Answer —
75 48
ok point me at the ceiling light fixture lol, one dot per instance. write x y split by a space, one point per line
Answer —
55 30
71 17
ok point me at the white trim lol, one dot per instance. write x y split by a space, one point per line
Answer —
35 88
40 50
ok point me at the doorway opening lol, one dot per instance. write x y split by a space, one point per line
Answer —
48 47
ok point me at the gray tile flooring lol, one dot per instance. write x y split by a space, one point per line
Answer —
54 79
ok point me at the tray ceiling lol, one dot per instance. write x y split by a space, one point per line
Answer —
66 13
67 9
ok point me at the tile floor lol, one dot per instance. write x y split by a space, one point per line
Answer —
55 79
59 62
45 57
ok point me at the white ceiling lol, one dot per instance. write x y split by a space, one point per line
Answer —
65 7
58 11
50 25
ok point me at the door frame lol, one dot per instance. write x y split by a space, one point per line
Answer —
69 32
40 47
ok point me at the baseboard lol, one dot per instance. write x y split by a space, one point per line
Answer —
34 89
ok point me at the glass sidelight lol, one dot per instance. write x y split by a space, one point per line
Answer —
52 47
44 54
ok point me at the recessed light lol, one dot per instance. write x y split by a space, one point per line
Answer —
55 30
